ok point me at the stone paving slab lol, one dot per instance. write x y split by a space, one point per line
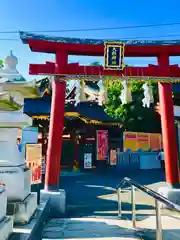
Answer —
98 198
170 227
104 238
91 228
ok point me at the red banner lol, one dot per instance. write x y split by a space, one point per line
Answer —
102 145
34 161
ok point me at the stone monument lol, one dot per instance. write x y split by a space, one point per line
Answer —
14 174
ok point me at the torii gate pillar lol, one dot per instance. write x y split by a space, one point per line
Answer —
168 127
56 125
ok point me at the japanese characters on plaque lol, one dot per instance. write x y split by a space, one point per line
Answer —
114 55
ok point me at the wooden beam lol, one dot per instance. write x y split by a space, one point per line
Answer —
98 49
76 69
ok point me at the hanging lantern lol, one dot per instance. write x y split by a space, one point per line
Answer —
126 96
148 95
77 93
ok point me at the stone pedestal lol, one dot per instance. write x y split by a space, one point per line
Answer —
6 223
171 194
14 173
17 181
57 202
3 203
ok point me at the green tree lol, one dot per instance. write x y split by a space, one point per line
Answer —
133 115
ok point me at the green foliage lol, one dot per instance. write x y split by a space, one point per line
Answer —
133 115
95 64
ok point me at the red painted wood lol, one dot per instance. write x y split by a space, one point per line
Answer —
98 50
169 133
56 126
168 126
55 136
76 69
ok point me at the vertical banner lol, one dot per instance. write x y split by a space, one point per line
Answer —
87 160
130 141
113 157
143 141
102 144
34 161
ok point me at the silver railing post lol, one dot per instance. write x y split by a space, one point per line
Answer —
133 201
158 220
119 202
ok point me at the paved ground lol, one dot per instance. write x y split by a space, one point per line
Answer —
92 194
92 206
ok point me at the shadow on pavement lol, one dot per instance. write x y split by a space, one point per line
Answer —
95 195
168 234
86 228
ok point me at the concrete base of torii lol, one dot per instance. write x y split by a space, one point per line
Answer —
172 194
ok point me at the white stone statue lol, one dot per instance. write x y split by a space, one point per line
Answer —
9 70
148 95
126 96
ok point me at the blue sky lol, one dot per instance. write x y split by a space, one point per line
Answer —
76 14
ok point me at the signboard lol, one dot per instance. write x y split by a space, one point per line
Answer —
143 141
87 160
114 55
34 161
102 144
113 157
30 135
135 141
155 141
130 141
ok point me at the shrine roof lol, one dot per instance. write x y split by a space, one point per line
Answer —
25 36
90 110
87 111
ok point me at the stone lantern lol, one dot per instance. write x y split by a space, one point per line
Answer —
15 176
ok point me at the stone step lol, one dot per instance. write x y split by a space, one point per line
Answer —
91 228
6 228
23 211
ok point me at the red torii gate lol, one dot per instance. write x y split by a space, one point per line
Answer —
63 47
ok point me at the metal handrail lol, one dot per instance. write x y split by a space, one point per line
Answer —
158 199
